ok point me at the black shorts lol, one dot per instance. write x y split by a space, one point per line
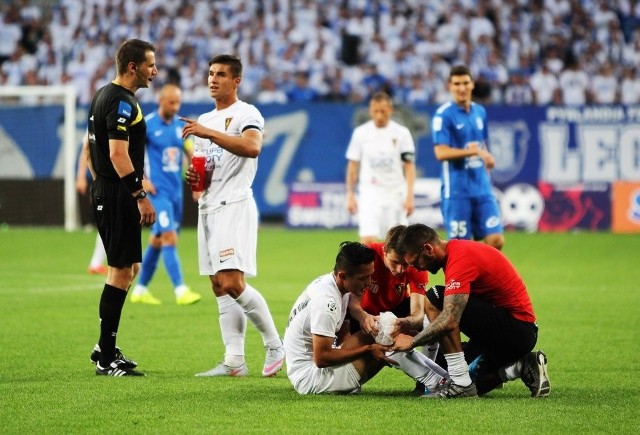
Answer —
492 331
118 221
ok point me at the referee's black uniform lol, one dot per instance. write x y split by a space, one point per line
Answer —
114 113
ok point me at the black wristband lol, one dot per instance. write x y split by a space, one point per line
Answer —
132 182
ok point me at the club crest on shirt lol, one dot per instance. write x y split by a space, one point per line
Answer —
227 121
395 142
400 288
332 306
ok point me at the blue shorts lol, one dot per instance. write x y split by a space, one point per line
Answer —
467 217
168 214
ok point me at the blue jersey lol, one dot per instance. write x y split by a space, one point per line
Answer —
453 126
164 154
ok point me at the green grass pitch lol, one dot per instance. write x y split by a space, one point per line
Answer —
584 288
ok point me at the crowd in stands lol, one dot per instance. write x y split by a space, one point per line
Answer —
521 52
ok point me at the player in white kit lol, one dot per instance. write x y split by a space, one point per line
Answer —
314 364
321 356
231 137
381 164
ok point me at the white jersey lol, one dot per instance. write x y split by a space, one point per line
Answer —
379 150
319 310
232 175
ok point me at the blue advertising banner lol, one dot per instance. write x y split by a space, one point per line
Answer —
538 151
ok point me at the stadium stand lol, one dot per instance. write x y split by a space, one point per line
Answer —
341 49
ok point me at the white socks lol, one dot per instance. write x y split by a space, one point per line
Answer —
431 351
140 289
257 310
458 369
178 291
233 323
512 372
414 364
233 326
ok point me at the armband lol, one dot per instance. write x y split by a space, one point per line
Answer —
132 182
408 157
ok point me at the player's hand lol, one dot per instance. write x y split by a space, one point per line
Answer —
379 352
489 161
402 343
81 185
192 178
147 212
474 147
148 186
352 205
192 127
409 206
370 325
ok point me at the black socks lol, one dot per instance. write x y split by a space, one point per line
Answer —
111 304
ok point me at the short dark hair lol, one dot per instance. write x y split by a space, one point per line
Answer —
351 256
381 96
231 60
132 50
413 238
459 70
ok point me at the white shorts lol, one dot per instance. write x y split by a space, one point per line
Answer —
228 238
376 216
340 379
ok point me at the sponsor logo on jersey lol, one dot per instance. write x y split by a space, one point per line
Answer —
122 127
452 285
493 221
124 109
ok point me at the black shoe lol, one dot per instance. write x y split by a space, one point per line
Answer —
419 389
117 368
534 373
453 391
95 357
488 383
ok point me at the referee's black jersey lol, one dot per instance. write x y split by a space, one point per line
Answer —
114 113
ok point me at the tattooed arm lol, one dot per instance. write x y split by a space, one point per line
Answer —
448 321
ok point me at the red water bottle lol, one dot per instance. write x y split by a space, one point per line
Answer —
199 163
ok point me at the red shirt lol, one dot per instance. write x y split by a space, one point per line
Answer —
485 272
387 291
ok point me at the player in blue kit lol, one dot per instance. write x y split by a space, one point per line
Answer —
459 128
163 180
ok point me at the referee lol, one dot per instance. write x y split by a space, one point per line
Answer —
116 146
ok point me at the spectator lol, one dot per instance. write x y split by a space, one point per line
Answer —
416 36
269 93
630 87
301 91
10 33
518 91
604 86
574 83
544 85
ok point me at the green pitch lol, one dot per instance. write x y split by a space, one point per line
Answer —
584 288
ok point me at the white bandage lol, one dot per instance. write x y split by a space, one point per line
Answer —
385 324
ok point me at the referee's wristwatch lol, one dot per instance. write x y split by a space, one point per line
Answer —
140 195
